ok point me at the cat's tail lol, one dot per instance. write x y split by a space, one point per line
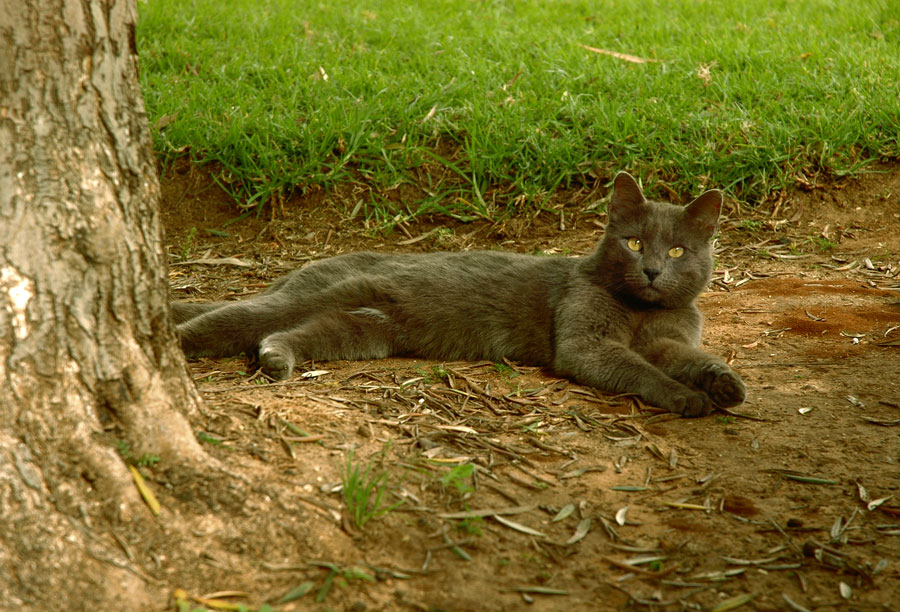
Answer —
185 311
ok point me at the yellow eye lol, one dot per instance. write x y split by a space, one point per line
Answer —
635 244
676 252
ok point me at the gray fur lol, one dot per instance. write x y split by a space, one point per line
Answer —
598 319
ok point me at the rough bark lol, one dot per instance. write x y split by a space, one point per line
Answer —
87 352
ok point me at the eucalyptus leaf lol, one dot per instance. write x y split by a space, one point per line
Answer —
846 591
583 527
539 590
877 502
297 592
567 510
518 526
734 602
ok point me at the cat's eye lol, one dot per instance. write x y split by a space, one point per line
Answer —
676 252
635 244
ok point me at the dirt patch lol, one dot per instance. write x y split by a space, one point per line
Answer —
590 502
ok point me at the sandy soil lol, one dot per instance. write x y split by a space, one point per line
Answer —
578 501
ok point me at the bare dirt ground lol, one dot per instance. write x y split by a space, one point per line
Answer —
578 501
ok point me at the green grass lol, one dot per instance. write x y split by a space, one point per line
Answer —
488 106
365 487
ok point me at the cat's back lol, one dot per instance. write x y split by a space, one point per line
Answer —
505 280
441 271
449 305
482 304
321 274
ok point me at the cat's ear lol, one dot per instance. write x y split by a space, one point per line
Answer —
704 211
626 197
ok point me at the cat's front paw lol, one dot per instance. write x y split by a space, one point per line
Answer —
724 386
276 363
690 404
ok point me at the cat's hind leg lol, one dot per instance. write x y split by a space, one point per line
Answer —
230 329
360 333
185 311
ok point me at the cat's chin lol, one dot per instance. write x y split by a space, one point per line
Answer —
649 294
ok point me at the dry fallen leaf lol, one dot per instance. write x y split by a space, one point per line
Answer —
583 527
734 602
145 490
622 56
215 261
518 526
846 591
872 505
315 373
704 73
565 512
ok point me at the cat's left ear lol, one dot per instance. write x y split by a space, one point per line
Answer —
704 211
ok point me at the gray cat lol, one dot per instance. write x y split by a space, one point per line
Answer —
622 319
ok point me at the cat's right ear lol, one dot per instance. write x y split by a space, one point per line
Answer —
626 197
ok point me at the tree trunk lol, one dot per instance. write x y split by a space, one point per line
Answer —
87 352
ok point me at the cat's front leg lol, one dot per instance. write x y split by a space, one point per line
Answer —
697 369
681 400
613 367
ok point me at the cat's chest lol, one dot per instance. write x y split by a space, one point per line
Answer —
627 326
680 324
611 319
588 310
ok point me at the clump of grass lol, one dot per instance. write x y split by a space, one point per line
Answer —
754 225
364 488
823 244
506 371
459 479
188 244
145 460
206 438
440 373
434 374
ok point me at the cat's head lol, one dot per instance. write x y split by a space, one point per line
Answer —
654 252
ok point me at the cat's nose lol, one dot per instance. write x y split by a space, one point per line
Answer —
651 273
